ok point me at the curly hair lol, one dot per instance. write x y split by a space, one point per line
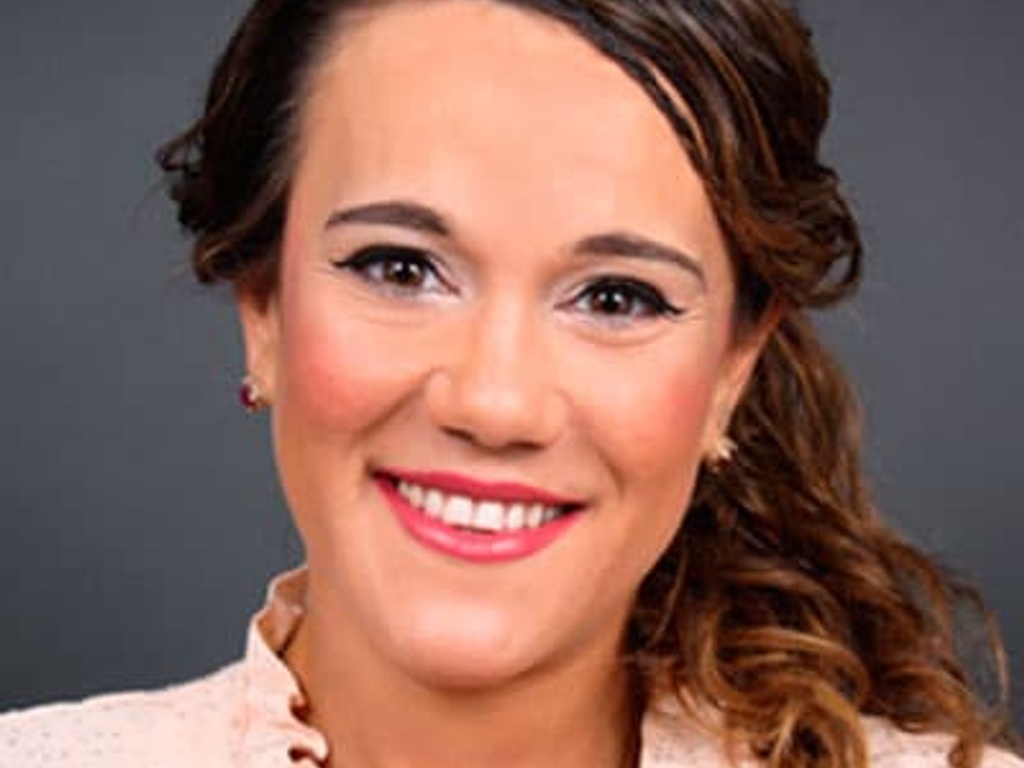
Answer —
784 605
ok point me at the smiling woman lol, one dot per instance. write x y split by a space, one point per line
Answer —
523 286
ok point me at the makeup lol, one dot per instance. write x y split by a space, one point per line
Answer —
476 521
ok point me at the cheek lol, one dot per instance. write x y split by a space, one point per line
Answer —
335 375
325 373
660 456
333 384
670 420
651 424
325 376
661 448
648 430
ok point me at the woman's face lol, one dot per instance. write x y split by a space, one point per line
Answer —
503 297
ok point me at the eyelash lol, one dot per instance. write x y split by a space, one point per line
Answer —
653 301
369 264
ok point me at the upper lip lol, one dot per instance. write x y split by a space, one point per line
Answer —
504 491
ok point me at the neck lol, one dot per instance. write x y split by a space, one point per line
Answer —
579 713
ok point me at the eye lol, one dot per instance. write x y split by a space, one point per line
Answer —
397 268
620 299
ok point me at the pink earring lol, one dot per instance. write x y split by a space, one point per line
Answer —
250 397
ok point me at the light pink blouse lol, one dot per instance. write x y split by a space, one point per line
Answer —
243 716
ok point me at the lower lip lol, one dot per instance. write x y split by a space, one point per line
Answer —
469 545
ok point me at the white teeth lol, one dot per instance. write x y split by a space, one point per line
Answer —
416 494
515 517
432 504
483 515
489 516
458 511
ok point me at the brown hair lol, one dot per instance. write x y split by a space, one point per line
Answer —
784 608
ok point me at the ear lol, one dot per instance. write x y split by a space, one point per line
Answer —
260 334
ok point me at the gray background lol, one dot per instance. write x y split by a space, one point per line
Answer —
139 517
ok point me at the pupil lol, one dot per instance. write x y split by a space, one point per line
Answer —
613 302
403 273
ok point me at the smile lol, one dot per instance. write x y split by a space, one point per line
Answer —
475 521
486 515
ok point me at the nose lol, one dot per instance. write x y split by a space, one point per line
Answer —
495 386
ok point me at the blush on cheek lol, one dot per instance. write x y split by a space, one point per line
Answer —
665 421
328 397
329 379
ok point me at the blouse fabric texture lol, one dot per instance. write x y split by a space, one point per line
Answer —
244 716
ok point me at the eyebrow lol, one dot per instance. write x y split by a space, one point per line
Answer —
421 218
632 246
395 213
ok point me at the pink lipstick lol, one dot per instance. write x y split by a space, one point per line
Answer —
447 512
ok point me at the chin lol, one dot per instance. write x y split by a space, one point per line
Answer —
461 655
465 674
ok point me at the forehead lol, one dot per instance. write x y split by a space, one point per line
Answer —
483 97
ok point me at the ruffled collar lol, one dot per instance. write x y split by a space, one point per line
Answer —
274 735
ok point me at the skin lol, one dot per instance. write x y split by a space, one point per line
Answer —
497 356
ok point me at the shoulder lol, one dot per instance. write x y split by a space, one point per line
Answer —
672 739
170 727
890 747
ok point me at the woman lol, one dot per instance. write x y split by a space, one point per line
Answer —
523 286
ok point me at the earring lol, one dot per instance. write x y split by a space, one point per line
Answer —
722 453
250 397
